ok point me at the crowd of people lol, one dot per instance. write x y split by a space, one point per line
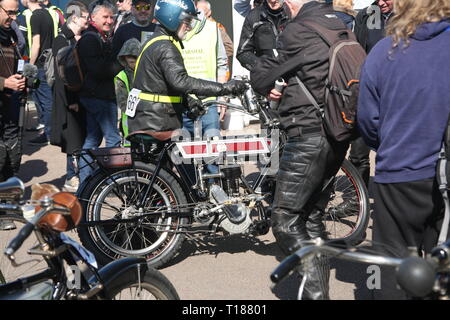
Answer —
165 51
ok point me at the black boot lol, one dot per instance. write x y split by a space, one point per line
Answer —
315 226
289 230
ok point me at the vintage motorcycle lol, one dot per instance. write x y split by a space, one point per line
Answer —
144 200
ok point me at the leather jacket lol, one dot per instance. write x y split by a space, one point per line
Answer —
161 71
301 53
259 34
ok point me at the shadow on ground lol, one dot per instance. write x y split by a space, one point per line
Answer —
231 244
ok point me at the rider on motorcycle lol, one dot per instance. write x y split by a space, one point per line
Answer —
161 79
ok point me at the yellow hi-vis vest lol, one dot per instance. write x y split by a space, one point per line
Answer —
27 13
200 52
151 96
124 119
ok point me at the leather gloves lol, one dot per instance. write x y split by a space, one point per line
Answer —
195 108
234 87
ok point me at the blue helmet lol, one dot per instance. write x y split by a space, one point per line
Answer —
170 13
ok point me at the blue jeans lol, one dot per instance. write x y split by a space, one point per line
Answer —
43 98
101 122
210 128
71 171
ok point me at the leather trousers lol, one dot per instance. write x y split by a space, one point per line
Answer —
306 165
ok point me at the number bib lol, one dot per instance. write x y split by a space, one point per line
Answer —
132 102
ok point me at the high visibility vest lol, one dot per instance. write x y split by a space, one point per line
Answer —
28 13
152 41
153 96
200 52
124 119
59 13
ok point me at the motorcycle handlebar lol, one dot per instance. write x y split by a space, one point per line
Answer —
18 240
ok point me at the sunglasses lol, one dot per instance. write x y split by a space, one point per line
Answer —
11 12
120 1
145 7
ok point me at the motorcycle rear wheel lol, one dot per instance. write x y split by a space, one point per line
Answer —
114 196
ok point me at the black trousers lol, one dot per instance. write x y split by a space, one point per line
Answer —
407 214
359 157
10 149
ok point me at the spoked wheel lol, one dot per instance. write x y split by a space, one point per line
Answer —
347 214
115 197
10 226
153 286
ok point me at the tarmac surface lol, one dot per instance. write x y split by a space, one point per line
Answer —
228 268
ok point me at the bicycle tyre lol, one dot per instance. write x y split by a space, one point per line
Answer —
154 283
349 194
95 196
33 265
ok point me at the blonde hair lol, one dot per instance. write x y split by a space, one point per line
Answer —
344 6
409 14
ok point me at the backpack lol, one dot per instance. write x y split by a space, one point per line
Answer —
68 66
346 57
49 64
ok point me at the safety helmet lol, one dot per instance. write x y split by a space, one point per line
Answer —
170 13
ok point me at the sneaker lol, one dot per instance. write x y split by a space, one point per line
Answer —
39 140
7 225
40 126
72 184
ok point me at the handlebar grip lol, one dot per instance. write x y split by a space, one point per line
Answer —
17 242
284 268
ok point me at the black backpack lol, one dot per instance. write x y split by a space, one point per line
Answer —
346 57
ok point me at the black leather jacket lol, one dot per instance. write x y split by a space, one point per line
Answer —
161 71
259 35
301 53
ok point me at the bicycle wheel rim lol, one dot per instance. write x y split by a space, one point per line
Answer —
350 225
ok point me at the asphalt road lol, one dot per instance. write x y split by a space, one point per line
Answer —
235 268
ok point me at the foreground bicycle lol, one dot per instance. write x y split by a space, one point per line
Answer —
420 278
72 271
142 201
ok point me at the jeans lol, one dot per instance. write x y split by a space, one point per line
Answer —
43 98
101 122
71 171
210 128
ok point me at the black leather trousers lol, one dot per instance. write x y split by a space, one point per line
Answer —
306 165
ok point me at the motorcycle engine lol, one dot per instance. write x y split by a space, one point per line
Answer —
235 217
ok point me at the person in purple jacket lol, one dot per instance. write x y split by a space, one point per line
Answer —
404 104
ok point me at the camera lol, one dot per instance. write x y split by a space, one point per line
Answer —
32 83
30 72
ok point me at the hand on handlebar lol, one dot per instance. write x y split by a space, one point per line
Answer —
234 87
196 108
275 95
